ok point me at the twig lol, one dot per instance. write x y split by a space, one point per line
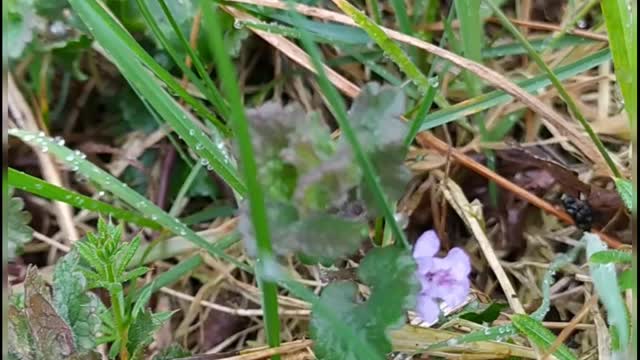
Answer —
461 205
568 330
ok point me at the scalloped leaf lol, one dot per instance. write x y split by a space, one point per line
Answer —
390 272
19 232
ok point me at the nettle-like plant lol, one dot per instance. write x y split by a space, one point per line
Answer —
69 321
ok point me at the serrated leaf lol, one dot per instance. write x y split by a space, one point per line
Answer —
606 284
375 116
625 189
390 272
611 257
19 232
172 352
78 307
542 337
130 251
141 331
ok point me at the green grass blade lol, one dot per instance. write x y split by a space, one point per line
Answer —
337 106
621 28
96 12
540 336
146 85
122 191
392 49
214 95
255 194
49 191
558 85
498 97
472 34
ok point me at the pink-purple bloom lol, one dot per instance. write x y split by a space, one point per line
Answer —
444 280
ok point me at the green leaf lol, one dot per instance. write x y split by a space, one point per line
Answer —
23 23
390 272
174 351
540 336
625 189
626 279
488 315
21 343
375 116
19 232
611 256
78 307
141 331
606 284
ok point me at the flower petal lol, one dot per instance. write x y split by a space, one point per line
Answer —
427 244
427 308
456 293
459 262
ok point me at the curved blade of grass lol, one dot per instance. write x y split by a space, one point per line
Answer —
255 194
392 49
540 336
558 85
95 12
606 284
611 256
109 183
49 191
140 79
497 97
621 27
203 83
496 333
337 106
214 95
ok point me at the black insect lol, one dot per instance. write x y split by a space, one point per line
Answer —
579 210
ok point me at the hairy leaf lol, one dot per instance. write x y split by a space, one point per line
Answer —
390 272
172 352
375 115
19 232
79 309
141 331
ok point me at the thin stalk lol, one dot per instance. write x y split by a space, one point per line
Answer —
255 194
558 85
338 109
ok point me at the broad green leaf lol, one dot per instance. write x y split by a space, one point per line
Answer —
23 26
625 189
78 307
611 256
606 284
19 232
487 315
390 272
540 336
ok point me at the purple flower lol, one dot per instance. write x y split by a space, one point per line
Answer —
443 280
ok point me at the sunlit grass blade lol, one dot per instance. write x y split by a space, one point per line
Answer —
497 97
137 75
337 106
49 191
393 50
255 194
111 184
622 24
558 85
